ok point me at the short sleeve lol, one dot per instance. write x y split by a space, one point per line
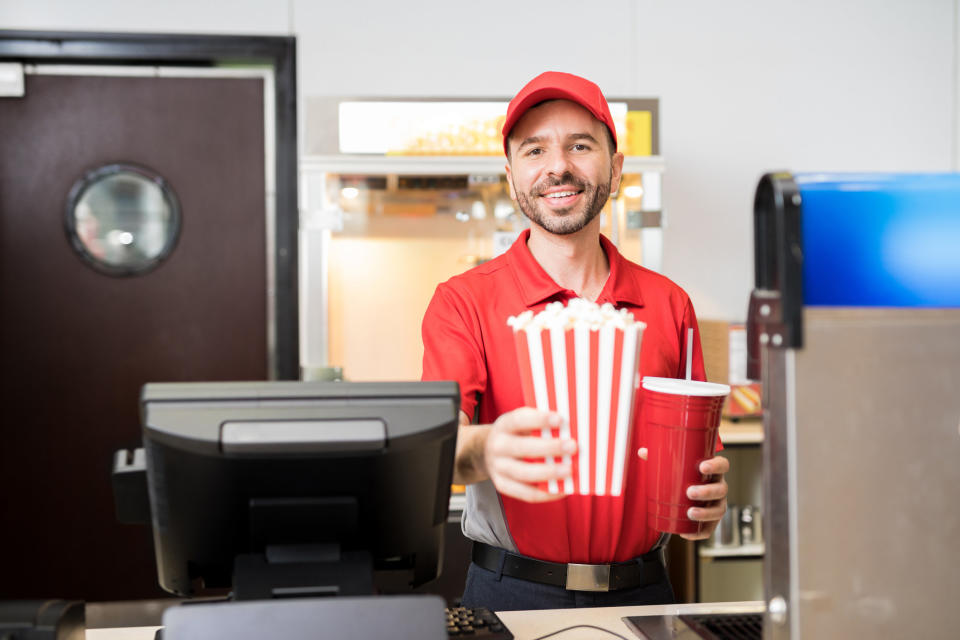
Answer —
452 345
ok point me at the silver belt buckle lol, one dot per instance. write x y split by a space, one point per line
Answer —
588 577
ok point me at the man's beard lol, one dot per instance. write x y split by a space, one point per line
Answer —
594 199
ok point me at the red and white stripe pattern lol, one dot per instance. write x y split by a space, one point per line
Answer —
583 364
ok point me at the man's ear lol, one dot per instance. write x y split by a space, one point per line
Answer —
513 194
616 172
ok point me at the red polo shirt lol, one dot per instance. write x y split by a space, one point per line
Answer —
466 339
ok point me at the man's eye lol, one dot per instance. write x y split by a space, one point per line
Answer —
580 147
535 151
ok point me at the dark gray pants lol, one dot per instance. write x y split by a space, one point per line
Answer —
498 592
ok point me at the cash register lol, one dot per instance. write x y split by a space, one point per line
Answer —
296 501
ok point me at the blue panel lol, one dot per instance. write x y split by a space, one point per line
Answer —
881 240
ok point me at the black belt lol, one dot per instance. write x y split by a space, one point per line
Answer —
646 570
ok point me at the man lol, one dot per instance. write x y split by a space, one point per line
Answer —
562 165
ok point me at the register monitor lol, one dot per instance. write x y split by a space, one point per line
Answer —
297 488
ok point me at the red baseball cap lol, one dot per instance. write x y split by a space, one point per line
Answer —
556 85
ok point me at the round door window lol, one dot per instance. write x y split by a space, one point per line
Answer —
122 219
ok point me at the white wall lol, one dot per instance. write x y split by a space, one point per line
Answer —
745 86
260 17
749 87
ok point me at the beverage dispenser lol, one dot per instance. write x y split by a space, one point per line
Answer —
854 329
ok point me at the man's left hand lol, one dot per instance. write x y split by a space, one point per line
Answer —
712 494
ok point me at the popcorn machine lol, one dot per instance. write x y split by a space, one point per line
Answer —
399 195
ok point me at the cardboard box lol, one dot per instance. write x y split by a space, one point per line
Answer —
725 360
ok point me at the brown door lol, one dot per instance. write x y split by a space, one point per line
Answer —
77 344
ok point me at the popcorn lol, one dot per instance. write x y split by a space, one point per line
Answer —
578 312
581 360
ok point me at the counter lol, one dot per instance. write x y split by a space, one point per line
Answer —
529 625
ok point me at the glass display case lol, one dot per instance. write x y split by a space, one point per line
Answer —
380 229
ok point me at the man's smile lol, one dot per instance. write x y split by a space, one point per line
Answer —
561 197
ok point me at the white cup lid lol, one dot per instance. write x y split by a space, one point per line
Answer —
683 387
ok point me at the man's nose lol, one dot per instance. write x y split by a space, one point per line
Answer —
558 164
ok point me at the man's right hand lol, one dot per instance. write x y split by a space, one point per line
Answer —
512 440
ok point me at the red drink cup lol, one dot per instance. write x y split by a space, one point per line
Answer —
680 420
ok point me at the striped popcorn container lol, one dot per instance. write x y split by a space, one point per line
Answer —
581 361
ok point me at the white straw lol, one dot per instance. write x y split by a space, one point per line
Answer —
689 351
